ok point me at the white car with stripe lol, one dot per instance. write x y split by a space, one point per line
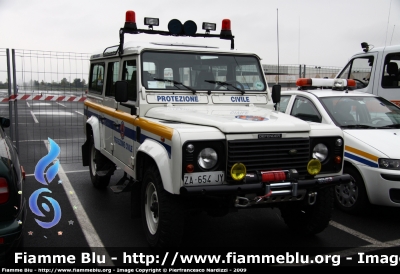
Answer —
371 127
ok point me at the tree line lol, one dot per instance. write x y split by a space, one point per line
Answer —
77 83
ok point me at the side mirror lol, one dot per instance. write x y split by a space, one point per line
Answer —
276 94
5 122
121 91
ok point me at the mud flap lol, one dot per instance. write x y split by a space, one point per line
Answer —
86 153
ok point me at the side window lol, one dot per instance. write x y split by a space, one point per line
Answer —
96 78
112 77
129 73
391 75
358 69
305 110
284 103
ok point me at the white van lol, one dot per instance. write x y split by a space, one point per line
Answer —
376 71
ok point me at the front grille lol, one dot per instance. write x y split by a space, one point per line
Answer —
262 155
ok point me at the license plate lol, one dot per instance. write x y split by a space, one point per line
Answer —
204 178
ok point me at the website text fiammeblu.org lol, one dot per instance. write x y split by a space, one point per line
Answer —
176 259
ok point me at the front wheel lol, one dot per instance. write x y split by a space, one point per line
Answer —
352 197
310 219
162 214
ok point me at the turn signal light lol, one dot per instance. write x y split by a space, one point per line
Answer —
189 168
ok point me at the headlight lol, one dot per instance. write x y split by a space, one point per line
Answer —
320 152
389 163
207 158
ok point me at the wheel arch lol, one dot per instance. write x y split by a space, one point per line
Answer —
349 165
93 129
152 152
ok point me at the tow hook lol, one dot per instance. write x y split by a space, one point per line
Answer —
312 197
242 202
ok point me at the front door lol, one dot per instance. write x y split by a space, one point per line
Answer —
125 133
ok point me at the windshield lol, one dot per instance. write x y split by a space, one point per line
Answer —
201 72
362 112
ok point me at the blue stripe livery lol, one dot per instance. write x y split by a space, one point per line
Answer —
361 160
130 133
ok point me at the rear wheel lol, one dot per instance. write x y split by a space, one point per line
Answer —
162 215
352 197
310 219
99 162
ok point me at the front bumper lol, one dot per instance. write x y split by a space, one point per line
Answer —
292 187
382 185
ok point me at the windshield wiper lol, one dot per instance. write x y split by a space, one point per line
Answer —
225 84
391 126
358 126
176 83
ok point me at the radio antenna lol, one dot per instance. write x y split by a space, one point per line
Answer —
277 36
392 36
387 27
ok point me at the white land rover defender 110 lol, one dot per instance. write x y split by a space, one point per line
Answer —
192 128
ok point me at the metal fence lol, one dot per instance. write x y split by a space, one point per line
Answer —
286 75
48 89
46 100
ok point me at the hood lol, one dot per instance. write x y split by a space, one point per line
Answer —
385 140
231 119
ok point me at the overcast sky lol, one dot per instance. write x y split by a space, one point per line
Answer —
311 32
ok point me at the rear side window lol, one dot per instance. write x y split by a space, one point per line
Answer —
305 110
96 81
391 73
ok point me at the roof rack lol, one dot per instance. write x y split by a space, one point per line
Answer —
175 28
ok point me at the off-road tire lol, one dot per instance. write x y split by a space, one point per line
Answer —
98 161
352 197
162 213
310 219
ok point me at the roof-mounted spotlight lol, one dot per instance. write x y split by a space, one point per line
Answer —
175 27
365 46
209 26
190 28
151 22
130 20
